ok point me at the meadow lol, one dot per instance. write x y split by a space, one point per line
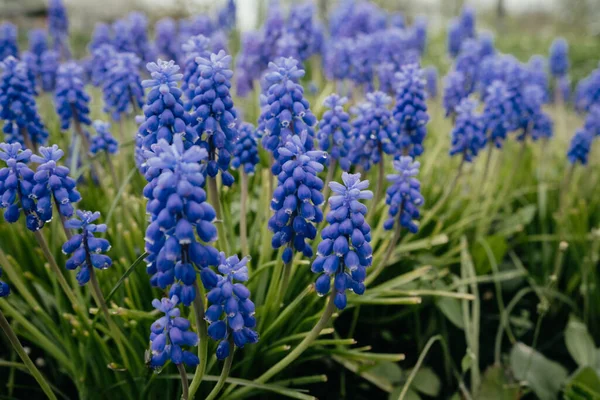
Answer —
479 281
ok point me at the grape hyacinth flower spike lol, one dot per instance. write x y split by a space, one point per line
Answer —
18 108
468 136
411 110
404 195
58 27
335 133
454 92
72 101
580 146
53 185
245 152
231 312
104 140
48 69
297 198
16 186
169 334
84 248
122 89
559 58
345 251
8 41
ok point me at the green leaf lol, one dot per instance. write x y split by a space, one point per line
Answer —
584 384
481 261
410 395
517 221
452 309
545 377
466 362
579 343
427 382
387 370
495 386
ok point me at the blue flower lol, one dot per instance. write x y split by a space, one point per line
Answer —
363 58
468 135
138 29
467 22
579 148
231 311
272 30
587 93
122 37
468 62
335 131
8 40
431 81
18 109
535 121
404 195
72 102
559 57
301 27
454 91
455 37
286 112
227 16
536 74
166 38
169 334
375 131
164 114
100 36
101 57
179 216
486 44
194 47
345 251
411 109
338 59
58 27
214 117
48 70
4 288
53 185
592 120
84 248
122 87
419 33
497 113
104 140
16 186
245 152
249 65
38 44
297 198
353 18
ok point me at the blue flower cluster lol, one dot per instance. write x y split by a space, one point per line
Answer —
559 57
18 109
138 35
214 117
486 45
38 45
178 211
461 29
297 198
404 195
72 102
164 112
468 62
536 122
410 110
375 131
227 15
104 140
455 38
335 131
497 113
4 288
468 135
166 38
8 40
16 186
245 152
454 91
194 47
248 67
536 74
431 81
286 112
101 57
580 146
53 184
231 311
122 87
345 251
84 248
58 27
100 36
169 333
587 93
48 69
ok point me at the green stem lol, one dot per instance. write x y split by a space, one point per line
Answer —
243 210
487 164
224 372
213 193
112 170
329 178
440 203
297 352
378 188
203 340
185 395
12 338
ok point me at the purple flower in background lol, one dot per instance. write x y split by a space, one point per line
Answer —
301 26
338 59
100 36
231 311
194 47
486 44
345 252
535 121
48 69
468 62
169 334
122 87
536 71
72 102
166 41
580 146
122 37
297 198
104 140
138 31
587 93
245 152
404 195
468 135
410 110
58 27
18 108
592 120
431 81
454 91
497 113
559 57
467 22
335 132
227 16
8 41
16 185
455 37
352 18
272 30
101 57
419 33
249 67
38 41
